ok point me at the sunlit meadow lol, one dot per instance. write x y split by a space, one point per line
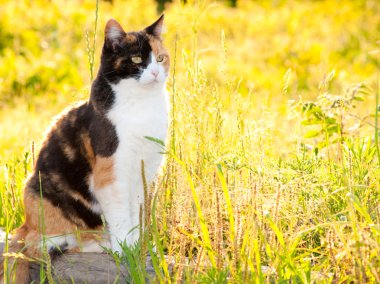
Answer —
273 164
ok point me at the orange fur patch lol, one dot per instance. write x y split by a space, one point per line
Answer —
88 149
44 218
38 211
103 172
118 62
159 49
130 38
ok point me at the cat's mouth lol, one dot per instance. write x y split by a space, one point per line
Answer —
152 81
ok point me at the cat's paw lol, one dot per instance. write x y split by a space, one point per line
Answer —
94 246
59 244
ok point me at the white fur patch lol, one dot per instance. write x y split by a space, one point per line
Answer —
93 246
95 207
114 33
67 242
140 110
60 242
154 73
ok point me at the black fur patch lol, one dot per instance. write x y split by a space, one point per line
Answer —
103 136
58 251
56 174
138 46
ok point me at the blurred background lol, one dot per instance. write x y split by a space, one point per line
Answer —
280 50
273 107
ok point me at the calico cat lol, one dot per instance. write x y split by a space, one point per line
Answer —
90 163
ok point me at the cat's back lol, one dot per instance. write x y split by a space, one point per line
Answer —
65 143
64 165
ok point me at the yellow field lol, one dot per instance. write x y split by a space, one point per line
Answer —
273 164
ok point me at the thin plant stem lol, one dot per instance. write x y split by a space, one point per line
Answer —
377 116
91 49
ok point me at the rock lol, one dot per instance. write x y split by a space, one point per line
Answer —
84 268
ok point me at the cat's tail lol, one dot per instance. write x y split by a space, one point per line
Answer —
17 270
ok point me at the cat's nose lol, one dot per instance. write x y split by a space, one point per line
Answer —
154 73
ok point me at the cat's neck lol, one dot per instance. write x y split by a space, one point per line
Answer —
130 89
104 94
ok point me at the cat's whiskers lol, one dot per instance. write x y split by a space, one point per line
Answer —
107 73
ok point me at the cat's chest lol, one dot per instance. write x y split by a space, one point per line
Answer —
134 119
137 117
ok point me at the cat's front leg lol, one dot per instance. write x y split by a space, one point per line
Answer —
123 226
121 210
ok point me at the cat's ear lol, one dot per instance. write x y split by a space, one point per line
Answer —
155 29
114 34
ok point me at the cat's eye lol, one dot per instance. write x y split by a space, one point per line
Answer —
161 58
136 59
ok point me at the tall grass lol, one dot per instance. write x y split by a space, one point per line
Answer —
91 48
377 106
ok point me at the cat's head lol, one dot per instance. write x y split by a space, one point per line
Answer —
139 57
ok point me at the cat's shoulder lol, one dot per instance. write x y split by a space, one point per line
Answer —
75 113
65 128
